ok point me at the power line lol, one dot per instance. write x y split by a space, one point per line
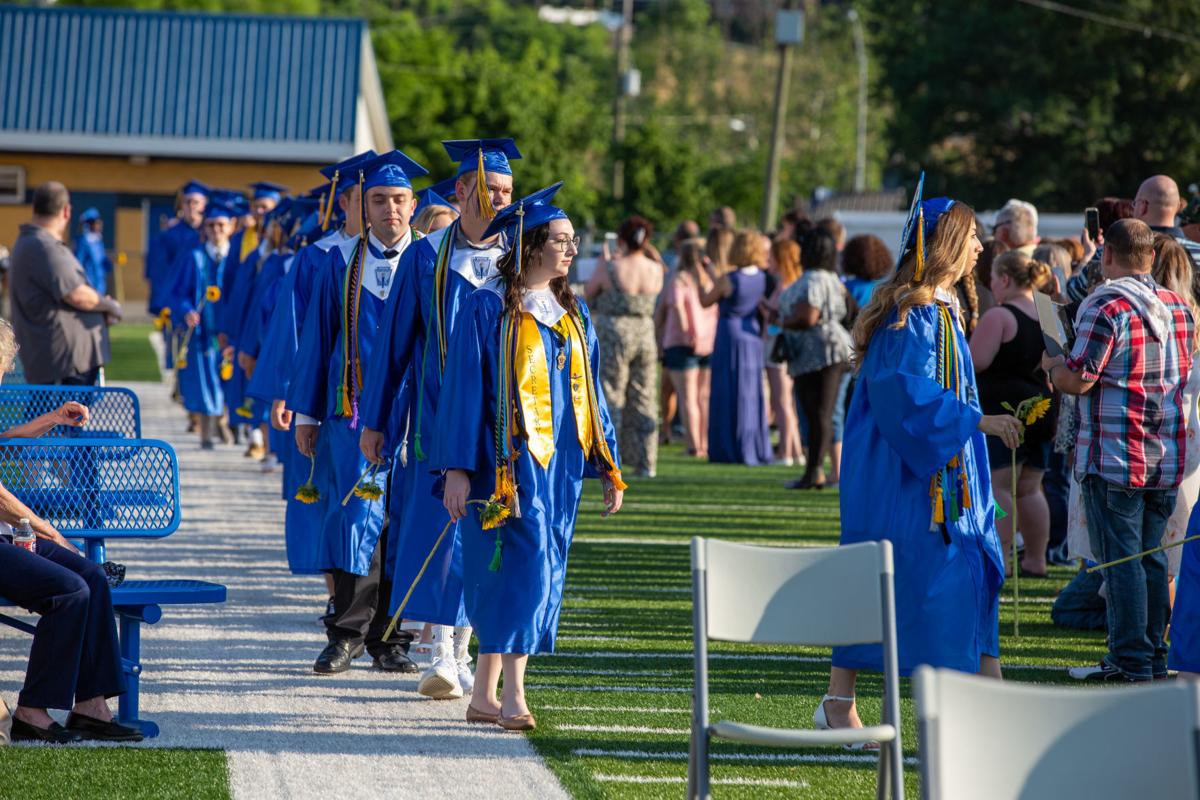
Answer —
1116 22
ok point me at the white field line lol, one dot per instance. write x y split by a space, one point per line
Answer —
778 758
752 657
619 709
633 589
719 506
764 782
569 671
683 542
639 689
587 638
642 729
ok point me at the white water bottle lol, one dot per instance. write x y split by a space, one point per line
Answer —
23 536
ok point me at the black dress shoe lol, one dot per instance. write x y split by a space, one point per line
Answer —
22 731
395 659
92 728
336 657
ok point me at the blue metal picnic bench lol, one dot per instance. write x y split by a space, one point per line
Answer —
94 489
114 411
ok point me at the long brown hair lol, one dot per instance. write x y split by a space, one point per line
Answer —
787 261
948 252
1173 270
532 241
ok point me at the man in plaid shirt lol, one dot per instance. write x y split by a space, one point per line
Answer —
1130 363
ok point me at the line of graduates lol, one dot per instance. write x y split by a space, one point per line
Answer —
431 387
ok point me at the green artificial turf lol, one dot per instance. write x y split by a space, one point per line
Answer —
132 356
116 773
615 704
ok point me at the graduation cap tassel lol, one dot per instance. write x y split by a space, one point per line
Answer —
481 190
328 215
919 272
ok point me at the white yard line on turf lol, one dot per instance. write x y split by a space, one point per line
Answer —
651 656
684 541
238 676
639 689
617 709
639 729
777 758
535 671
650 779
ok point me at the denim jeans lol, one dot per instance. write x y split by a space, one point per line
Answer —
1123 521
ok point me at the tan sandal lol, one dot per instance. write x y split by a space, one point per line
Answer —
521 722
475 715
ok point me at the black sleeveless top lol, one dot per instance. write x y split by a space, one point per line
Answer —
1015 374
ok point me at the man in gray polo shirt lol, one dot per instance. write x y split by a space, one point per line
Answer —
61 322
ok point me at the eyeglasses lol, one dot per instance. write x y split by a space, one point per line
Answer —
564 244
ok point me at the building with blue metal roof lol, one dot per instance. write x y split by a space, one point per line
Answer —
123 106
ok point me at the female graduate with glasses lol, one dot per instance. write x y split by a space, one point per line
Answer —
914 445
521 421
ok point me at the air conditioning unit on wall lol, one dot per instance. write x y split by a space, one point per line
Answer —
12 184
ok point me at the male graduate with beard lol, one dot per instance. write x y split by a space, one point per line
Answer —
336 342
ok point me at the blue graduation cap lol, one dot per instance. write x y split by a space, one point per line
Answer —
218 210
490 155
391 169
317 192
265 190
428 197
527 213
922 221
345 173
309 229
447 188
194 187
91 215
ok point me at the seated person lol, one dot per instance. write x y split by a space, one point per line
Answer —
74 662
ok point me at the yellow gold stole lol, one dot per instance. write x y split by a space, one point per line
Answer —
533 387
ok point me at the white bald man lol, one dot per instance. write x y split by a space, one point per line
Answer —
1158 204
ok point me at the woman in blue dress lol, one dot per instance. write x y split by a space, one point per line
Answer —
914 445
521 421
737 418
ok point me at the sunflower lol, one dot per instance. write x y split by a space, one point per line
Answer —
308 493
226 369
212 294
1036 410
244 410
368 491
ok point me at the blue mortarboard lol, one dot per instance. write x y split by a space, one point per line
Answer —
91 215
194 187
922 221
218 210
308 231
526 214
267 190
428 197
391 169
447 188
345 173
317 192
231 199
495 154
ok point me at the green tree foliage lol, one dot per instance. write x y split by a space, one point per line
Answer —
996 99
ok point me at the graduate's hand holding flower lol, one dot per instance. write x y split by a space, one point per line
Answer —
306 439
1004 426
458 487
613 497
371 445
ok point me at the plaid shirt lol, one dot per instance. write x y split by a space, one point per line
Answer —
1131 430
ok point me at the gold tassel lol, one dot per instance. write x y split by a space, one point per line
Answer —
920 270
481 190
329 201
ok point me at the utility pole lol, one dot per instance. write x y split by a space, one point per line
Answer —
860 153
626 80
789 31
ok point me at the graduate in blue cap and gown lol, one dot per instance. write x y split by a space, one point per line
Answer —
521 420
194 305
336 342
436 276
447 190
181 234
914 446
276 363
89 250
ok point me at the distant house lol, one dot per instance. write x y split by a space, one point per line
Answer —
124 106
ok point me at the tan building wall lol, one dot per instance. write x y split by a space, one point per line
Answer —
138 176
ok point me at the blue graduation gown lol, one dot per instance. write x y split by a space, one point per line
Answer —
89 250
199 381
162 260
400 368
270 381
253 323
351 532
516 609
901 429
240 276
1185 614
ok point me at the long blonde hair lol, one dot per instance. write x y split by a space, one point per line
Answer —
948 253
1173 270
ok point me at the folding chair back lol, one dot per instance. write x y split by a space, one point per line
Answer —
985 739
791 595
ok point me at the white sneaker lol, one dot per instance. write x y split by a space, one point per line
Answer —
440 681
270 463
462 657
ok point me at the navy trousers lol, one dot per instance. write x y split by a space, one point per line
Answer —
75 654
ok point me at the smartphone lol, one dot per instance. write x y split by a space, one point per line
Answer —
610 241
1091 221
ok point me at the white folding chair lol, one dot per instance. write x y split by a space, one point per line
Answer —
799 596
1001 740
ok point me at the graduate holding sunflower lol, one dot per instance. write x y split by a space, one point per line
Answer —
914 444
521 421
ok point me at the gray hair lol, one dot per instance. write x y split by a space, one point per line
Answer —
8 347
1055 255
